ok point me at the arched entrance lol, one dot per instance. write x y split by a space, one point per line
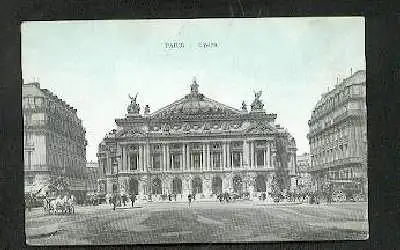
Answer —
197 186
216 185
156 186
133 186
237 184
177 186
260 183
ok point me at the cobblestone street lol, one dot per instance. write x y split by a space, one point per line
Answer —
152 223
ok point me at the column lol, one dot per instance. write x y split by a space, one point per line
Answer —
252 154
123 156
183 165
164 154
167 157
204 158
188 157
241 159
201 161
143 157
228 156
245 153
119 159
268 154
223 156
208 166
148 157
139 158
191 162
265 158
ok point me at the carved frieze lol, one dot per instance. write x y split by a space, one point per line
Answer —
260 128
132 132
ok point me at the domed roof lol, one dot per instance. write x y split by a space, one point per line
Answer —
195 103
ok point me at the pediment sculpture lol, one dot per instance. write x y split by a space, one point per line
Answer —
165 127
260 128
132 132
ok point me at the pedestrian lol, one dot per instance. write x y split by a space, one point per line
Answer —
133 199
114 201
110 201
189 199
124 198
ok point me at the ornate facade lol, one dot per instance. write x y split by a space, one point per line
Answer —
194 145
54 140
338 136
303 164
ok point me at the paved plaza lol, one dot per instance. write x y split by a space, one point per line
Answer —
203 222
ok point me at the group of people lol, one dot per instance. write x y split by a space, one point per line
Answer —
114 199
65 203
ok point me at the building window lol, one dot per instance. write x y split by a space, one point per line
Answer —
196 160
156 161
260 157
216 146
236 159
216 160
176 161
133 163
104 163
113 164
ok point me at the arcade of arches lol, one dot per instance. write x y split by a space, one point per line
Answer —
210 185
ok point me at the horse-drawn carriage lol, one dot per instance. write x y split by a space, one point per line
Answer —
56 205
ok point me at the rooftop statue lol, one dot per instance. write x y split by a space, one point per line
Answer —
257 104
134 107
194 87
147 109
244 106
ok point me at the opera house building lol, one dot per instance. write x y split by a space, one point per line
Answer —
195 145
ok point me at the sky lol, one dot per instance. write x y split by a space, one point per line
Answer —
94 65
